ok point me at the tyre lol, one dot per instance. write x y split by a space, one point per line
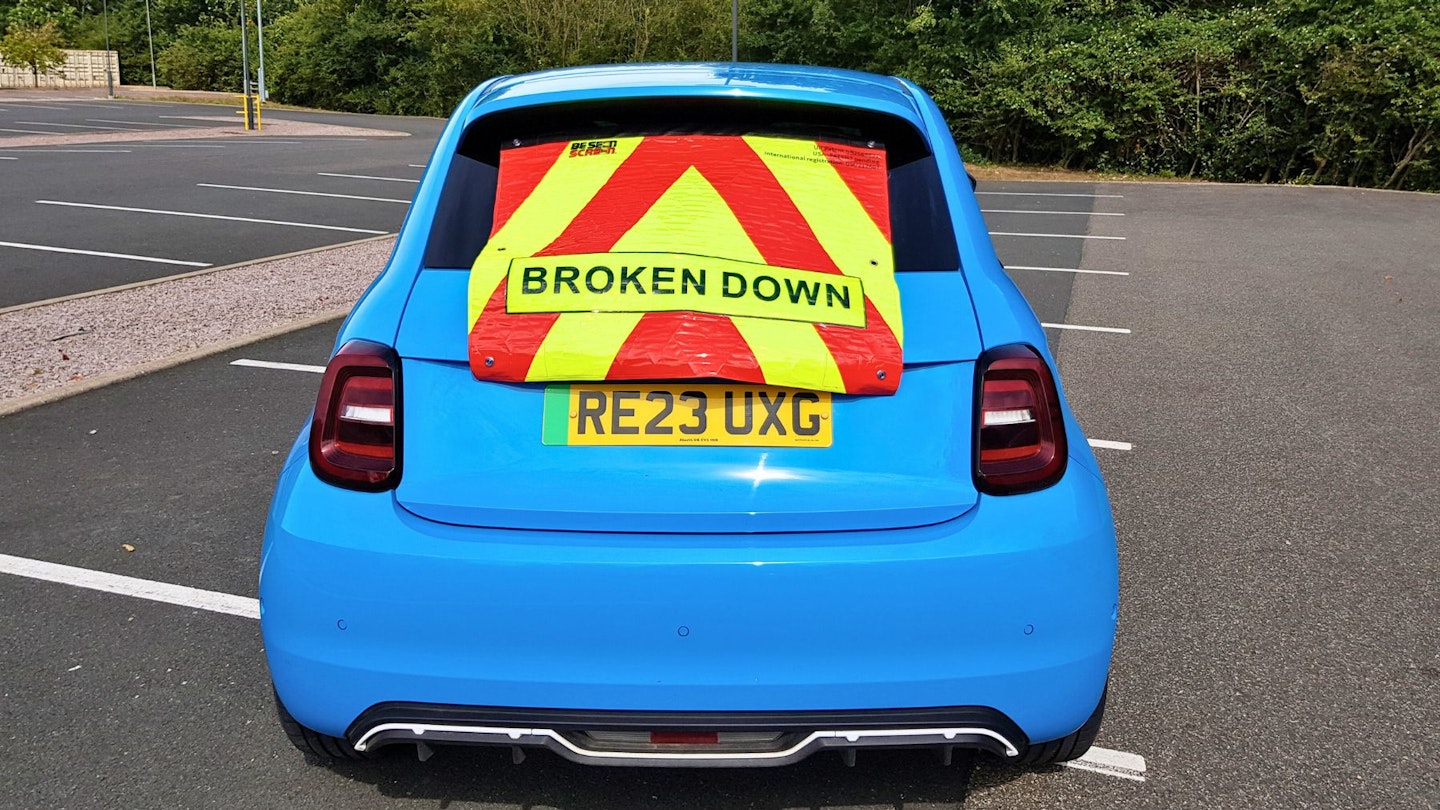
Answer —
1072 746
317 747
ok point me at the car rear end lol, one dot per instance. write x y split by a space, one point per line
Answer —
593 567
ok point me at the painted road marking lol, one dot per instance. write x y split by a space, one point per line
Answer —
1121 764
1109 445
1086 328
1059 235
213 601
137 123
72 151
1066 213
128 256
417 165
30 105
304 193
368 177
31 131
76 126
260 140
1066 270
1047 194
278 366
8 158
179 146
210 216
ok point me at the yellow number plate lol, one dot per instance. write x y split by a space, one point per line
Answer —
736 415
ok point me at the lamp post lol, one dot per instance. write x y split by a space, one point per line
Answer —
245 70
734 30
109 76
150 34
260 34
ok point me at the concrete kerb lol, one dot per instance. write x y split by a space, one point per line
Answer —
21 403
55 395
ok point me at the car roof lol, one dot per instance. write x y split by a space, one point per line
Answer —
813 85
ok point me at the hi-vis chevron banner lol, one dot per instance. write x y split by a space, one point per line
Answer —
753 259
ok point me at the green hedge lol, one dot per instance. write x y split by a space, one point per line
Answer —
1321 91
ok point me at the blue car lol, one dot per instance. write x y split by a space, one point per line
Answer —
693 422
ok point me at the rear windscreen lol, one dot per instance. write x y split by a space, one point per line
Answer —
919 220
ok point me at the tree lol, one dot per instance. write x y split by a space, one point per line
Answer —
36 47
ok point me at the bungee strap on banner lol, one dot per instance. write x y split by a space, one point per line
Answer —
754 259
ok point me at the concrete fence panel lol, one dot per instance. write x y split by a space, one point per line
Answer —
81 69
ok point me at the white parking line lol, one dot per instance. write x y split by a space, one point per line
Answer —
1052 213
417 165
1109 445
76 126
101 253
1122 764
1116 330
71 151
1047 194
278 366
213 601
303 193
210 216
1066 270
137 123
1059 235
8 158
31 131
261 141
368 177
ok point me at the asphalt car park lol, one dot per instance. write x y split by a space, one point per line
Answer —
1267 361
86 216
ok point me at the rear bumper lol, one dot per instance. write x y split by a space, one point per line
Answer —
1009 608
743 739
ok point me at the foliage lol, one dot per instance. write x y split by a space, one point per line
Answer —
200 57
36 13
36 47
1323 91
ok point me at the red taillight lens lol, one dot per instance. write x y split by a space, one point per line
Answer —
1019 429
355 436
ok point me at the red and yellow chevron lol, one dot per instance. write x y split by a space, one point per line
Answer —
754 259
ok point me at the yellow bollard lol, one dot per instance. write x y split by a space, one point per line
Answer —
251 111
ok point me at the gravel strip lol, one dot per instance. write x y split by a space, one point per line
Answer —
48 348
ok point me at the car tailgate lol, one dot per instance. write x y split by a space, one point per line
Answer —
473 452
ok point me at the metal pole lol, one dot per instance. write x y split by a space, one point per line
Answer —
734 30
151 35
245 69
260 32
109 76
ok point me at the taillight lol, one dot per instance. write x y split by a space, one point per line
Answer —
1019 429
355 436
